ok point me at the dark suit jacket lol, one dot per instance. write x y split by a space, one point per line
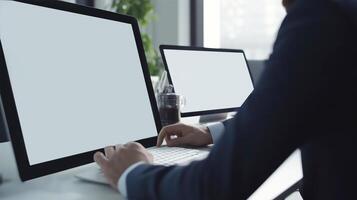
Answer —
306 98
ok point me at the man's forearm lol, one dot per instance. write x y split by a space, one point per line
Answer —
216 130
122 180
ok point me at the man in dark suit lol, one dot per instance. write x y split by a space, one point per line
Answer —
306 98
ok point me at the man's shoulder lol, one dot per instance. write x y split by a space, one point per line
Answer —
349 7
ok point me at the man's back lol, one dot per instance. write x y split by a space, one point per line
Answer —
326 121
328 153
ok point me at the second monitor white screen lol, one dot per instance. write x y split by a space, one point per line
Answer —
209 80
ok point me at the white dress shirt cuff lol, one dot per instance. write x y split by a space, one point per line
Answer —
122 180
216 129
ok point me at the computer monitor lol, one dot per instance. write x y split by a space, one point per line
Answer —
211 80
73 80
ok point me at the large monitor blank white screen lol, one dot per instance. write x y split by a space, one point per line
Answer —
209 80
77 81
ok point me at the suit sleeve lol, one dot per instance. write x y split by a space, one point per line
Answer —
227 123
278 117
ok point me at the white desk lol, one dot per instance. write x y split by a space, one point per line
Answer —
62 186
65 186
285 176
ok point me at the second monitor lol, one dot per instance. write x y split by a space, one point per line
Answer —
211 80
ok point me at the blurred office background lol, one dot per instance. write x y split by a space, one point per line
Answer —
250 25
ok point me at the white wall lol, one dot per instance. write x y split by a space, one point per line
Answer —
103 4
173 22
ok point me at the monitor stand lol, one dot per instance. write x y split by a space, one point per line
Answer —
212 118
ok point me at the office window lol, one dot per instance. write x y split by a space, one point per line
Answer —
249 25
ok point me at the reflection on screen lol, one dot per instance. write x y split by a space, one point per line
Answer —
209 80
77 81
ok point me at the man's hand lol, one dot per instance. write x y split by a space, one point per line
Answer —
182 134
117 159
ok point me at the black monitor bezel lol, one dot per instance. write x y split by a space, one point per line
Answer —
28 171
191 48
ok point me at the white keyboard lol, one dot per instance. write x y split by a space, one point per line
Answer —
175 155
162 156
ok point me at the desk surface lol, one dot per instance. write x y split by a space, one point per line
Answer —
65 186
61 185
